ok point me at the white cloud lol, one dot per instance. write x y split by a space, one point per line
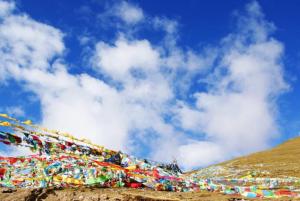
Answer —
89 108
200 153
122 14
129 13
6 7
81 104
238 112
187 117
16 111
167 25
124 55
28 44
238 106
84 40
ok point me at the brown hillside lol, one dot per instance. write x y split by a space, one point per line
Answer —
281 161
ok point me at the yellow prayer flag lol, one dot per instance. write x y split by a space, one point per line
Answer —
4 115
5 123
27 122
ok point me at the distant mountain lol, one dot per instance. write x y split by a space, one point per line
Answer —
280 161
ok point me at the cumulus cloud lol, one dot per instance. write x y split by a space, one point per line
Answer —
122 14
200 153
81 104
117 60
238 112
6 7
147 109
26 44
129 13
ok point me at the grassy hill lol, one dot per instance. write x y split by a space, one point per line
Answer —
280 161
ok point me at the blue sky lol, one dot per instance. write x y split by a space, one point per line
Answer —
199 81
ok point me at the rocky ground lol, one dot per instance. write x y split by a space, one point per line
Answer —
113 194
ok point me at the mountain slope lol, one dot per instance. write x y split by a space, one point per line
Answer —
280 161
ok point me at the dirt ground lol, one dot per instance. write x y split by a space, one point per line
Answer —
116 194
113 194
